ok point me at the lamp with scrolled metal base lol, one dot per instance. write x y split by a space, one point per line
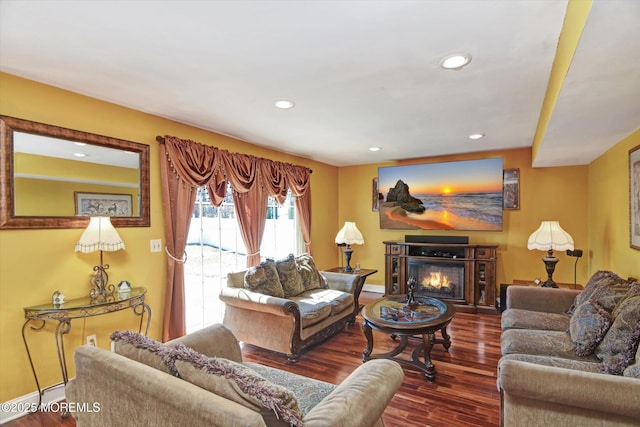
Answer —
100 235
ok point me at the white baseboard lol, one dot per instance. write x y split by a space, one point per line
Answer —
19 406
374 288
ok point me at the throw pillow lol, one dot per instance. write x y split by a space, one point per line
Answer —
598 279
617 349
289 277
263 278
610 295
311 277
633 370
634 291
236 382
588 326
143 349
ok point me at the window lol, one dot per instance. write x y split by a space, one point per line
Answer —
215 248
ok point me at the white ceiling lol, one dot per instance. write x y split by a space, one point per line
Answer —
362 73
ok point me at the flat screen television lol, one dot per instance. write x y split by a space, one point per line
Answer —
461 195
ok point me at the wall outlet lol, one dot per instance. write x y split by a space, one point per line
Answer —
92 340
156 245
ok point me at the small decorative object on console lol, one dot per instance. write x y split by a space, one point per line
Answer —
124 287
58 297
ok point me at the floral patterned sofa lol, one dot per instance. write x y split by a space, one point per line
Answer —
288 305
571 357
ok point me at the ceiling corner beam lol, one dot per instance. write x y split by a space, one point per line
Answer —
574 22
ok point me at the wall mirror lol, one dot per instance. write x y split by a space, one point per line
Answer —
54 177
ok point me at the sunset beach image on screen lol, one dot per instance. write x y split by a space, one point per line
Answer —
461 195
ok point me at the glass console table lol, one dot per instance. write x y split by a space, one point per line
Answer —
80 308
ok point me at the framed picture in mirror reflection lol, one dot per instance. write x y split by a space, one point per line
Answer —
104 204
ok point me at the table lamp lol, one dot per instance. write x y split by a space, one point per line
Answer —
547 237
349 235
100 236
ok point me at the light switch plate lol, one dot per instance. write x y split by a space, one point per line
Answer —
156 245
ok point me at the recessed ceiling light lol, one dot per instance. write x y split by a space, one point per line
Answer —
476 136
455 62
80 143
284 104
375 149
79 154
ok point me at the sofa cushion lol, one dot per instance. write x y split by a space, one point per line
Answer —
542 343
289 276
618 348
311 312
237 382
516 318
600 278
263 278
308 391
337 300
143 349
589 323
311 277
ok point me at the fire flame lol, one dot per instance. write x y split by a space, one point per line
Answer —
437 280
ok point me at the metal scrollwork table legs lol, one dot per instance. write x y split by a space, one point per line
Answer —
78 309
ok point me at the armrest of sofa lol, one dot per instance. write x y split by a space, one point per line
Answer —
344 282
120 392
591 391
361 398
249 300
214 341
547 300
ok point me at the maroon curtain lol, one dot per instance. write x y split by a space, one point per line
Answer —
184 166
251 208
299 181
187 165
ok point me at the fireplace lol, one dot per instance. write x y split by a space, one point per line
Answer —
438 279
445 268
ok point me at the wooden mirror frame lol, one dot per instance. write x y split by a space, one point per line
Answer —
8 219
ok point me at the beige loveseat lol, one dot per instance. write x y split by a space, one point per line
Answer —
200 380
570 358
288 305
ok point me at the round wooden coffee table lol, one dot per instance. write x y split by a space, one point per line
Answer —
393 316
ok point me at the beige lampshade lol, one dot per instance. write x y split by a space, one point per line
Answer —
99 236
550 236
349 235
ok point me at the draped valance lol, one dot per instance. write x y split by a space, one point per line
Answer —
196 164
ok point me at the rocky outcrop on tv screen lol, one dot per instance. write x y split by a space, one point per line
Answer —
401 196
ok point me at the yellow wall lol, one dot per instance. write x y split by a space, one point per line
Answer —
64 168
546 194
609 247
57 198
50 187
35 263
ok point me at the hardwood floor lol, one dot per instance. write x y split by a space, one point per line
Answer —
463 394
